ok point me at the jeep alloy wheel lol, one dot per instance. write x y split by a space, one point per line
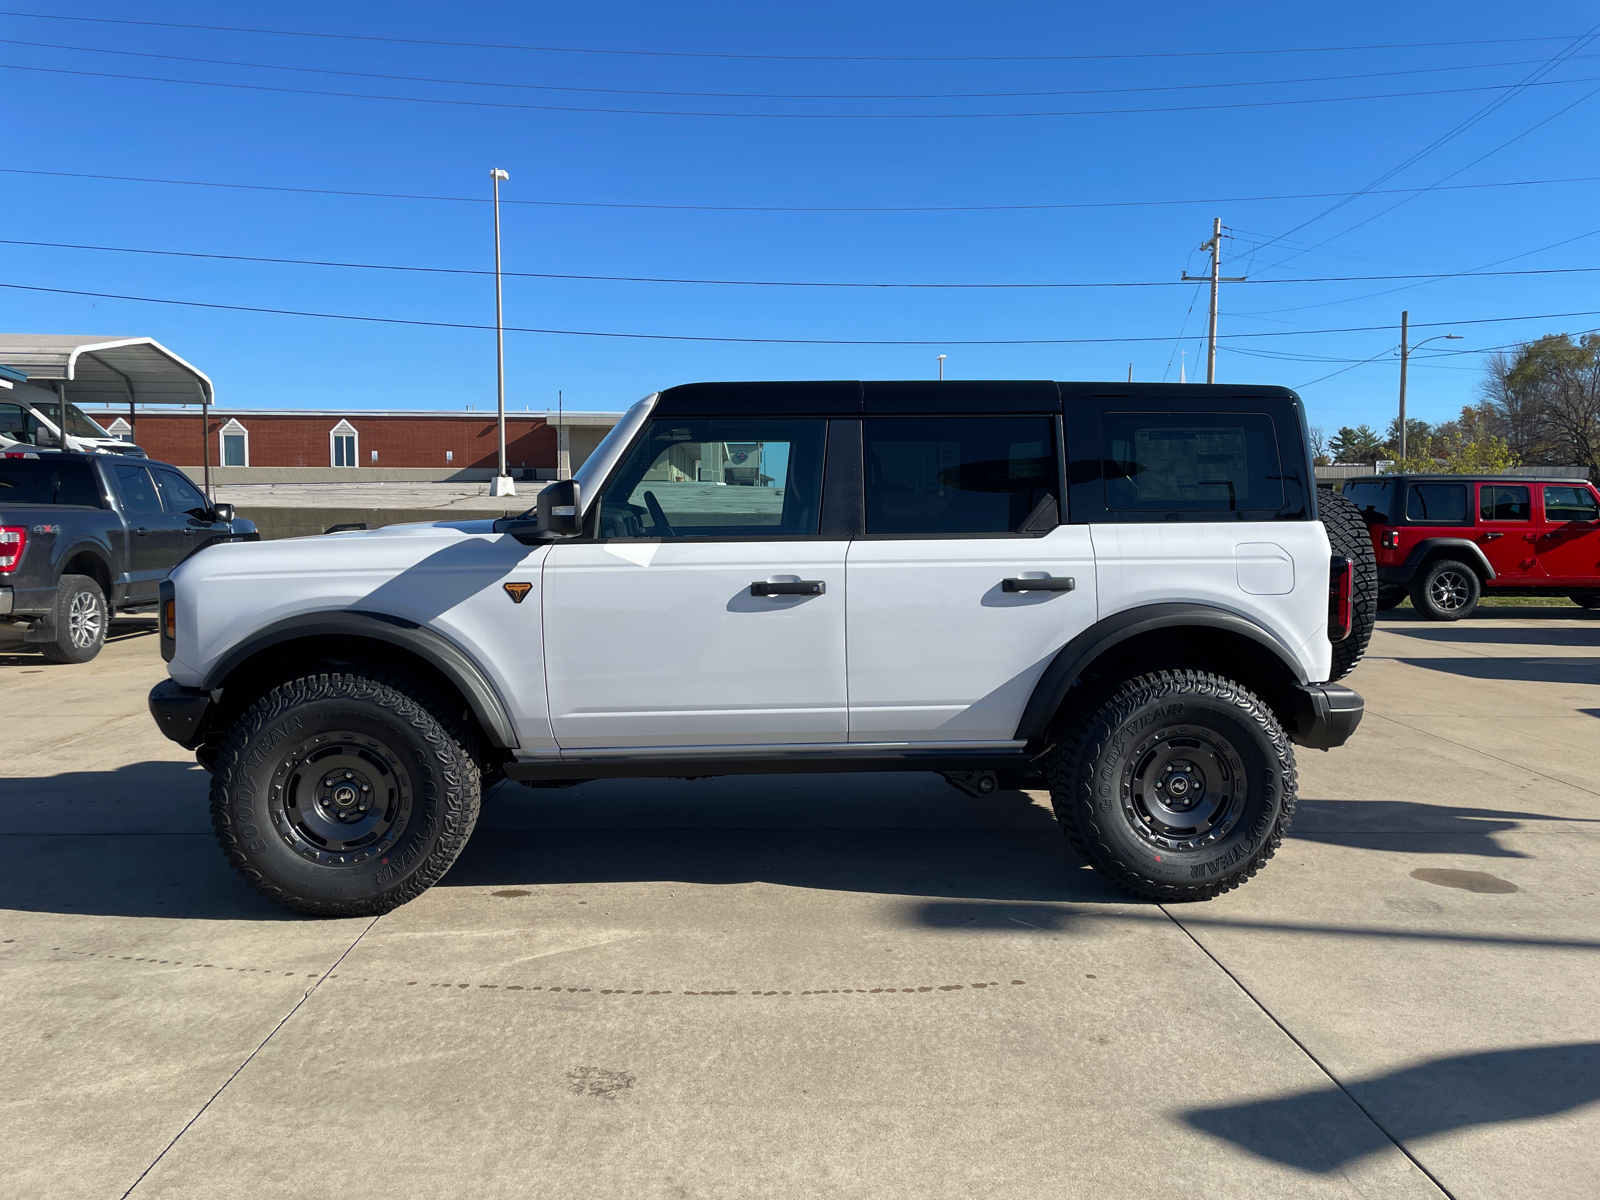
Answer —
1446 590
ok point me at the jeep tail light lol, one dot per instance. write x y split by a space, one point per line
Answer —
13 541
1390 539
169 620
1341 601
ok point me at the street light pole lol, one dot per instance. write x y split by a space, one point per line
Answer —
941 366
1405 356
502 485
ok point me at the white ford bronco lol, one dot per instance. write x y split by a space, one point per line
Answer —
1123 593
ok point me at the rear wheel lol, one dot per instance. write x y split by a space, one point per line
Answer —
1178 786
1446 590
1348 536
344 796
80 620
1390 598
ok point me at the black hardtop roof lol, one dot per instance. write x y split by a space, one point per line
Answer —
845 396
1463 477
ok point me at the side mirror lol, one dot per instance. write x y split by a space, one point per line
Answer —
560 514
222 513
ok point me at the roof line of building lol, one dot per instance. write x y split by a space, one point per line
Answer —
551 417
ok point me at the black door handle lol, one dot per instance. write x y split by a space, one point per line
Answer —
1054 583
141 531
804 587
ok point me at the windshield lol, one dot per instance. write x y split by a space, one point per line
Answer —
78 422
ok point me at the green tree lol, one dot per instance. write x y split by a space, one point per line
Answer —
1419 437
1359 445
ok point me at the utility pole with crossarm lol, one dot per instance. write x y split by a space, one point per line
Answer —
1214 244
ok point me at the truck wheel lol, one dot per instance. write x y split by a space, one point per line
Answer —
80 620
344 796
1347 534
1446 590
1179 786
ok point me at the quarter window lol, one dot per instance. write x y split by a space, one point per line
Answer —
1437 503
1188 462
691 478
960 475
1504 502
1570 504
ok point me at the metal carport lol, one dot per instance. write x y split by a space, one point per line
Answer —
106 371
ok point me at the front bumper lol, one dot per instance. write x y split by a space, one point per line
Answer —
1326 714
179 711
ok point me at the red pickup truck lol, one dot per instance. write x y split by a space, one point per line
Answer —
1446 540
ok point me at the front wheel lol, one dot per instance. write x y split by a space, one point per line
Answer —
1179 786
343 796
1446 590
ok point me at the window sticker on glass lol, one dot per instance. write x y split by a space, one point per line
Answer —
1178 462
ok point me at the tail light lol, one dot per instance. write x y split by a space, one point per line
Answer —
13 541
1341 598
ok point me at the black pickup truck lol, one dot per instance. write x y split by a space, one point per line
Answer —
83 536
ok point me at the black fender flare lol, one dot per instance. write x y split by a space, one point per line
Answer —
1470 550
1094 641
427 644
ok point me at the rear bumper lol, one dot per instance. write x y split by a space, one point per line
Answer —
1326 714
179 711
6 597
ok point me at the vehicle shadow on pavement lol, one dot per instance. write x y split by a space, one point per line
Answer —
134 842
18 653
1527 670
1470 635
1415 1102
1412 828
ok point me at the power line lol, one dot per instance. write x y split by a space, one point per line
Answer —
683 337
547 87
1443 139
1509 89
786 283
356 37
924 208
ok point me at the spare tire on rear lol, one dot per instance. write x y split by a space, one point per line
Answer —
1347 534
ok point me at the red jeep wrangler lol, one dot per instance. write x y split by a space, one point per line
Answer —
1447 539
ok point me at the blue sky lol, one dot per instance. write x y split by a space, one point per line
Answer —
67 115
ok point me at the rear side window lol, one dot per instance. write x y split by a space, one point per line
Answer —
1504 502
938 476
1371 498
1570 504
1191 462
138 491
40 481
1437 503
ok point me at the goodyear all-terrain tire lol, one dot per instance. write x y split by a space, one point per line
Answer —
344 796
1347 534
1178 786
80 619
1446 590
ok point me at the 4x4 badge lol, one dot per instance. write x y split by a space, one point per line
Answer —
518 590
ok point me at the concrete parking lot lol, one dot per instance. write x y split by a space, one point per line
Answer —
802 986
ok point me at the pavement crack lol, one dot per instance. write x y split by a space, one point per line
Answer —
249 1058
1306 1050
1479 750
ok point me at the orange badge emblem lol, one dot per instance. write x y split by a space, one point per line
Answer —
518 590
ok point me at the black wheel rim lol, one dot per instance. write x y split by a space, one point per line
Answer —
1183 788
1449 590
340 799
84 620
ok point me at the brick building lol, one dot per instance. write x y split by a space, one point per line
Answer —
345 439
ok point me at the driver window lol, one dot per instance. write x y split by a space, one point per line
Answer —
180 497
718 478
